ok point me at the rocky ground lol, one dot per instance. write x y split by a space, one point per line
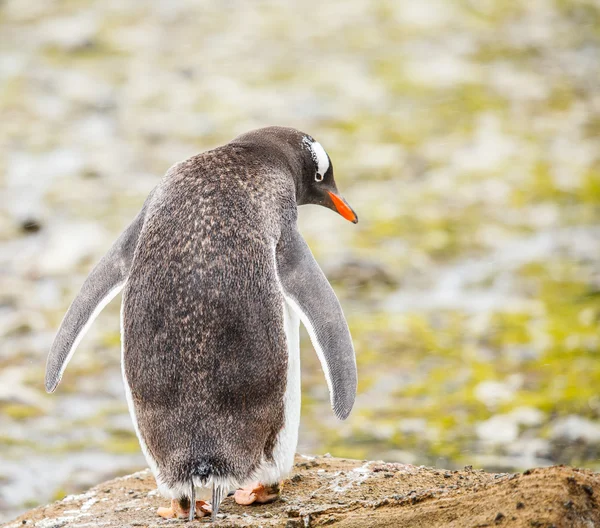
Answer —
325 491
465 133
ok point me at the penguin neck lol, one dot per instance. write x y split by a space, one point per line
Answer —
281 156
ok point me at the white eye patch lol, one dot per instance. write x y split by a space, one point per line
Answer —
319 156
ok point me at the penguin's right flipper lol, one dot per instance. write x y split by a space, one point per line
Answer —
311 296
104 282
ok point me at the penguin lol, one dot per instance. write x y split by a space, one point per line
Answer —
215 279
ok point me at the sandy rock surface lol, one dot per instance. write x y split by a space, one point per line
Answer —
325 491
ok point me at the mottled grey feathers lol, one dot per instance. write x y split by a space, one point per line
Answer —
206 268
205 353
102 284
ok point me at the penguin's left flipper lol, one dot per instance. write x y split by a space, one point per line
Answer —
308 292
104 282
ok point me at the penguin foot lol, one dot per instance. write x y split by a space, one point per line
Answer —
256 492
177 511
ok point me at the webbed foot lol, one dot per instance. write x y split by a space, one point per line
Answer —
181 511
256 492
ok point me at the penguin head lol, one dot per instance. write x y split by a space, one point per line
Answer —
316 184
308 163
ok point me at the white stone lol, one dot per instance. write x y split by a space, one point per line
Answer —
68 245
430 14
499 429
489 148
529 416
69 32
492 393
413 425
574 427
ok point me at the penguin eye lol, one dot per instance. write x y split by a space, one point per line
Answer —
319 177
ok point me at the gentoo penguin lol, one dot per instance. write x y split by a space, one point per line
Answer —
215 279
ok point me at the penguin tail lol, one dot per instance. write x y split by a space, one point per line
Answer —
218 492
204 471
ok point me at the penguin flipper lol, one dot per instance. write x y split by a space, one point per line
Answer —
310 295
104 282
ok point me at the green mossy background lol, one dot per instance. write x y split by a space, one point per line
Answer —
465 134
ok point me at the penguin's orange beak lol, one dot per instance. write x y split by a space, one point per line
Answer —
343 208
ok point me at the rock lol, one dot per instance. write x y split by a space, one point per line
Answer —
493 393
575 428
529 416
504 428
499 429
352 493
67 245
416 426
69 32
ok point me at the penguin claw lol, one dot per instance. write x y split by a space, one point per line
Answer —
167 513
177 512
203 508
256 492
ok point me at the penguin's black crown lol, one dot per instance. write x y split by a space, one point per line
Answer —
309 164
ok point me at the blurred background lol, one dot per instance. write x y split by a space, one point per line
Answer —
464 133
